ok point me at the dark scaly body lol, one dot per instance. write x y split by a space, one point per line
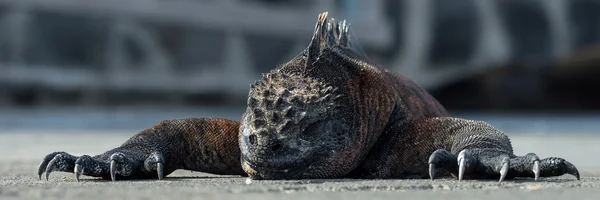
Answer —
379 125
325 114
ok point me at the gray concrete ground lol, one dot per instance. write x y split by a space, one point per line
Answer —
20 153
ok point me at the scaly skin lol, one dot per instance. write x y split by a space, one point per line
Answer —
325 114
198 144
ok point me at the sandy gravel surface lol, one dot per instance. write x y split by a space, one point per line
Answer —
21 152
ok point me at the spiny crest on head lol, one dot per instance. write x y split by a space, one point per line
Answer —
326 34
279 100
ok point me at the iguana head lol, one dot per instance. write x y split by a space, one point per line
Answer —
297 122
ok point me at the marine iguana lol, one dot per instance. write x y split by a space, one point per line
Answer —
327 113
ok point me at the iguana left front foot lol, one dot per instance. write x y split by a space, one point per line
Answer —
490 163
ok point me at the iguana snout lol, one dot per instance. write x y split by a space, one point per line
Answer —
291 126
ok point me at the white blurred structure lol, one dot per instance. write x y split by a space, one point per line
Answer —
193 46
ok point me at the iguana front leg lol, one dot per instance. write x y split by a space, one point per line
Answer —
444 146
478 150
198 144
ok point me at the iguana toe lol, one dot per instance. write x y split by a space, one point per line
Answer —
554 166
155 162
52 165
536 169
56 161
113 170
441 158
465 162
121 165
530 165
77 172
504 169
432 171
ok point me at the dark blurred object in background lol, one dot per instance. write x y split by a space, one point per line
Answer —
497 55
569 84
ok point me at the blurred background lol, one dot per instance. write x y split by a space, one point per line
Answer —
522 65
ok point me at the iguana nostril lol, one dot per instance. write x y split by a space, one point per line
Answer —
276 147
252 139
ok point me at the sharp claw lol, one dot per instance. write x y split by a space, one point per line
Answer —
461 168
42 168
571 169
504 169
113 170
432 171
51 166
159 170
77 171
536 169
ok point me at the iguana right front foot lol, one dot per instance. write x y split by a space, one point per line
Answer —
485 152
118 165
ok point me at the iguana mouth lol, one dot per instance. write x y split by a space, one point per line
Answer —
281 171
